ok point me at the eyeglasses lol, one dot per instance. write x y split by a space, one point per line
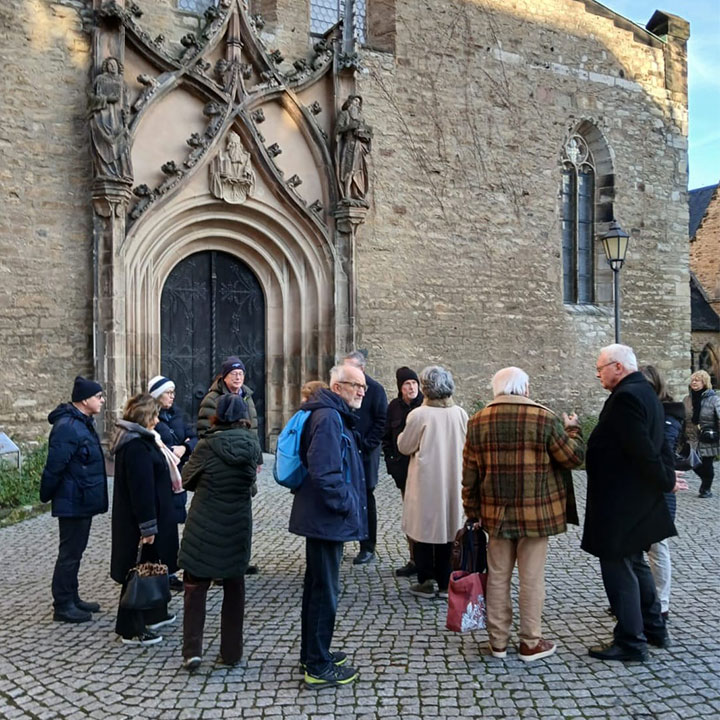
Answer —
236 374
600 367
357 387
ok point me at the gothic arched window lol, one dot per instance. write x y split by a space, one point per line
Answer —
326 13
578 222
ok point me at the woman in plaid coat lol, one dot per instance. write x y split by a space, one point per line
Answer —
516 482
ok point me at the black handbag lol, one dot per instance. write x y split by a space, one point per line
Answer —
709 434
469 550
147 586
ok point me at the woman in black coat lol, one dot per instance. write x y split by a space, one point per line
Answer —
142 511
702 427
218 531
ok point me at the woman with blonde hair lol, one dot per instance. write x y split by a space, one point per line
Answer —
143 512
702 426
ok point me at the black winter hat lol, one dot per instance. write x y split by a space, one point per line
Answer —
231 408
402 374
232 363
83 389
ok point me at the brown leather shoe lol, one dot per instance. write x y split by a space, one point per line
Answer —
543 649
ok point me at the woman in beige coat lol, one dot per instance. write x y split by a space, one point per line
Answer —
434 437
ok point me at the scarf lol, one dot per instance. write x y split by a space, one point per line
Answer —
172 461
696 396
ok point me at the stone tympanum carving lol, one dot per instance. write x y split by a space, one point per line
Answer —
354 138
109 117
231 177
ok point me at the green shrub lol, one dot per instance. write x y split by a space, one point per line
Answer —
22 487
588 423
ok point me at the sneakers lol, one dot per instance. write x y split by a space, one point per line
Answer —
705 494
169 620
497 653
71 614
192 663
424 590
334 675
363 557
338 658
146 639
407 570
543 649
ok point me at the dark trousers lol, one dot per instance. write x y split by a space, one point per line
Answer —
433 562
705 472
369 543
631 591
232 617
74 534
321 589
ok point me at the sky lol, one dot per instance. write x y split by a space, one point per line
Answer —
703 77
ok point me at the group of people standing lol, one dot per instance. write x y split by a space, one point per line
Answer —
507 469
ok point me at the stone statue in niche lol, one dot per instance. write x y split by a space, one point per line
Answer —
231 176
109 117
354 137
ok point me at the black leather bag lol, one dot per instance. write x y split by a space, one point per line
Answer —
469 550
709 434
147 586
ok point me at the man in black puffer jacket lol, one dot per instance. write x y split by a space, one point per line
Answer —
74 479
409 397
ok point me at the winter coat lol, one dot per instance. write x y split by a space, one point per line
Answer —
709 415
174 430
142 501
395 462
370 428
434 437
629 467
208 406
74 477
217 538
516 469
331 503
674 424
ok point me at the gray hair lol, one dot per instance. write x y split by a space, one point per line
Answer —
510 381
356 357
437 382
337 374
622 354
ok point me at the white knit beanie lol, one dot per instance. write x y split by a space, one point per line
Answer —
160 384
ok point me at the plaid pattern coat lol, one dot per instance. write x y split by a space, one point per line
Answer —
516 469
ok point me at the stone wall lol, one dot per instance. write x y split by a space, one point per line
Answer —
46 286
459 263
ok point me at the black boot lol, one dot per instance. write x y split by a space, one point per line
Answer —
91 607
71 614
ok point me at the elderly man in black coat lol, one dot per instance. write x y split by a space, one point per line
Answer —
370 428
629 467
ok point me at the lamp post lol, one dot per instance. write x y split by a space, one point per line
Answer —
615 244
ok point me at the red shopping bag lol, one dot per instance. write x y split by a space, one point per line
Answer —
466 601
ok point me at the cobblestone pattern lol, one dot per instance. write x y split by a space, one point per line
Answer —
411 667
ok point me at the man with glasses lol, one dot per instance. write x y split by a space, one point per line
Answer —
329 509
74 479
370 427
629 467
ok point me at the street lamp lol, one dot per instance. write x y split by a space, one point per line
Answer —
615 244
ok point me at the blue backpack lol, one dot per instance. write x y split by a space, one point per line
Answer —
289 470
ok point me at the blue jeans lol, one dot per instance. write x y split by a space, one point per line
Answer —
630 589
321 589
74 534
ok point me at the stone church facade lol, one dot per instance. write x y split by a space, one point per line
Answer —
429 182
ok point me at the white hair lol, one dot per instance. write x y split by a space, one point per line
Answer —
356 358
510 381
622 354
337 374
437 382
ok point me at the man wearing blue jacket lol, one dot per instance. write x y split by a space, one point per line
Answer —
329 509
74 479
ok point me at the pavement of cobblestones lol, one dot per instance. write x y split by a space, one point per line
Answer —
411 667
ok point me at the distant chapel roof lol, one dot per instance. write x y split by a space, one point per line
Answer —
698 201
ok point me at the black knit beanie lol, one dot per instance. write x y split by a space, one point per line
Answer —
83 389
231 408
232 363
403 374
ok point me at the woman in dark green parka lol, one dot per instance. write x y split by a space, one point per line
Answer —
217 539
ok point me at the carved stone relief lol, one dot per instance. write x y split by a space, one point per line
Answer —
354 137
231 176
